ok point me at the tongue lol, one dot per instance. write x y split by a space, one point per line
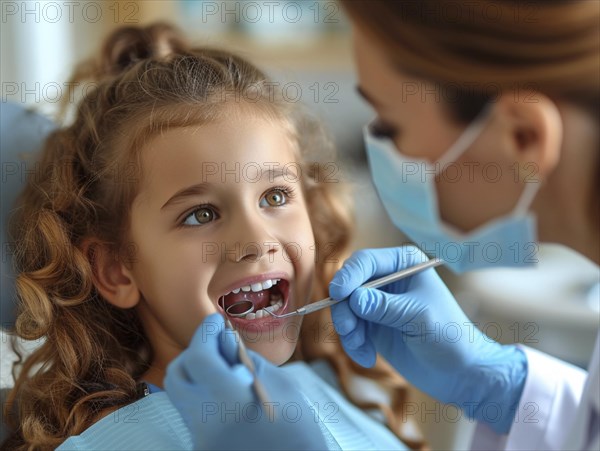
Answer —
259 299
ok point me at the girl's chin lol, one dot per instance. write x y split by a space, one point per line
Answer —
277 346
277 352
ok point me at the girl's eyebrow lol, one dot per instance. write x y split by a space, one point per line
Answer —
201 188
180 195
278 173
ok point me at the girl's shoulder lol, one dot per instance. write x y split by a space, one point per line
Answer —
150 423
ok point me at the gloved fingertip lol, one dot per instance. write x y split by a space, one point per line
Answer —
344 321
365 356
353 342
356 338
228 346
259 361
242 375
366 362
207 331
337 288
175 370
213 323
215 317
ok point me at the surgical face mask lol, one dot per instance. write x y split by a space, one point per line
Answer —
406 187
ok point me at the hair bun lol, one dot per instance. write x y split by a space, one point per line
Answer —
128 45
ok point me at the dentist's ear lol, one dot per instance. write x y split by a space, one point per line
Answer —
111 277
535 131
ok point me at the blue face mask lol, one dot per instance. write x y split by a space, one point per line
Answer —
406 187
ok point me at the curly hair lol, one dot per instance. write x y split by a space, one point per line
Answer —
93 354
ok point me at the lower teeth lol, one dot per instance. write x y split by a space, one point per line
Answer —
276 304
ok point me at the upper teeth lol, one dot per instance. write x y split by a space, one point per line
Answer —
258 286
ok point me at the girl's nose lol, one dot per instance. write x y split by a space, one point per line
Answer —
251 240
254 251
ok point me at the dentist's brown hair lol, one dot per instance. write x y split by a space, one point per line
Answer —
482 47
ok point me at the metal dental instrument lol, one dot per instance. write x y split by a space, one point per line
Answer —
327 302
240 309
259 388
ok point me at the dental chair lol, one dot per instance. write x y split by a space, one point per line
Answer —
22 133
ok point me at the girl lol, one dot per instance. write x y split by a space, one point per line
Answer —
183 179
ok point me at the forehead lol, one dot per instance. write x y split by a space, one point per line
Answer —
216 152
370 55
231 139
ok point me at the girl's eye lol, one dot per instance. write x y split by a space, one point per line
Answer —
200 216
274 198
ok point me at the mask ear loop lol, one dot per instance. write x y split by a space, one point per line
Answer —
238 309
529 193
466 139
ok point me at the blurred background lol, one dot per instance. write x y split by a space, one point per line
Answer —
305 46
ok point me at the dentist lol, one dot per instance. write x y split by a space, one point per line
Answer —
486 141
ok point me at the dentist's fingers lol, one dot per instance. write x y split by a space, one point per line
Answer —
278 380
204 350
212 354
356 338
352 332
367 264
229 343
388 309
344 320
365 355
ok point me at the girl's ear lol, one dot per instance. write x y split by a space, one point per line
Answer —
535 130
113 280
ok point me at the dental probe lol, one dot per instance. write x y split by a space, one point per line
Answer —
327 302
259 388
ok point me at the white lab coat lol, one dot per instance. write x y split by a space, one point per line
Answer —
559 409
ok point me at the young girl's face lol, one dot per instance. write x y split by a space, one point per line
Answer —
221 209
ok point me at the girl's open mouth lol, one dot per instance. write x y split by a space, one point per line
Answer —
270 294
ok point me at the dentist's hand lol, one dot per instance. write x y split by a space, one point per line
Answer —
419 328
213 392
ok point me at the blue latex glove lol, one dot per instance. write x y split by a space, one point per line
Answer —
419 328
213 392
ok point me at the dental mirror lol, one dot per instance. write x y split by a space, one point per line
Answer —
240 309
